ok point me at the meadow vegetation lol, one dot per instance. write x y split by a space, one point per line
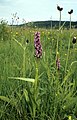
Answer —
34 88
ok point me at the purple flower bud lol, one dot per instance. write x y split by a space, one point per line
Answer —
58 63
71 11
59 8
74 40
37 45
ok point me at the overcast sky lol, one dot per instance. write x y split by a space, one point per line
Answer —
35 10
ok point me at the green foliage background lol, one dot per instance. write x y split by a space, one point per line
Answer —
32 89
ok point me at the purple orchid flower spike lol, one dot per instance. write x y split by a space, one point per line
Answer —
58 63
37 45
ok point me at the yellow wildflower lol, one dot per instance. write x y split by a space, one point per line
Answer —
43 32
69 117
16 33
48 38
48 32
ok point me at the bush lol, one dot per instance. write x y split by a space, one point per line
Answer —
4 31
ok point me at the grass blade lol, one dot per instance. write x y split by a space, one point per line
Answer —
23 79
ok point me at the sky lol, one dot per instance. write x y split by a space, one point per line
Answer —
36 10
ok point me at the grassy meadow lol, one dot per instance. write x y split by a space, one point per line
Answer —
34 88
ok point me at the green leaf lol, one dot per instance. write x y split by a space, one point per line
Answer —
17 42
23 79
5 99
26 95
66 78
8 100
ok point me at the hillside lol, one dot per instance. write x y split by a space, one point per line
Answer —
54 24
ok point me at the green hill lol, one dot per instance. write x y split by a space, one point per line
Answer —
55 24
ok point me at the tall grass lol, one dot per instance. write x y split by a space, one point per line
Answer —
32 89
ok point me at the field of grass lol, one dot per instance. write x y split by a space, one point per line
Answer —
34 88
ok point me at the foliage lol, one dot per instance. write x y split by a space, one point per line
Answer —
4 31
34 89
